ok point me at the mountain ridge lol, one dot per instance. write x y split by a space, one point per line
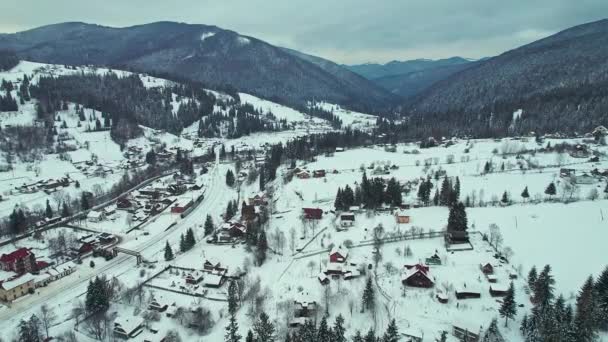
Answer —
178 49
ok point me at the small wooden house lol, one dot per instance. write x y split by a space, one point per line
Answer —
347 219
487 268
402 218
465 292
338 254
498 290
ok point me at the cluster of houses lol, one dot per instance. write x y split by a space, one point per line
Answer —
234 230
21 273
305 174
582 177
156 197
88 243
47 185
419 275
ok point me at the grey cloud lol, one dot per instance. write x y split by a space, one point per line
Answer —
347 31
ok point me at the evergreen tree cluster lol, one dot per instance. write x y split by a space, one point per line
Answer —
449 193
7 102
231 210
98 296
337 333
370 193
187 241
30 330
238 120
125 100
552 319
230 178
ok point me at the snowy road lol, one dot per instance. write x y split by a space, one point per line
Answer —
68 289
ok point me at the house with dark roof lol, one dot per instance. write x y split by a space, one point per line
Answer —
418 275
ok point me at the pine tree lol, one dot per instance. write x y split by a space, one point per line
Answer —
505 198
339 202
508 308
606 190
444 194
232 298
182 244
262 178
525 194
338 332
457 218
493 333
232 330
264 329
543 288
601 288
49 210
250 337
550 190
532 276
370 336
209 228
487 167
65 212
585 320
436 197
456 191
323 332
358 337
190 239
230 178
168 252
25 332
262 247
84 201
392 333
368 300
393 192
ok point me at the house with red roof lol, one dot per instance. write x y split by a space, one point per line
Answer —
418 275
20 261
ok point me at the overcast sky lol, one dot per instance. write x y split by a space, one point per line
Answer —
346 31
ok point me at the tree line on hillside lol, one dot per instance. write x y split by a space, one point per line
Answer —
8 60
125 99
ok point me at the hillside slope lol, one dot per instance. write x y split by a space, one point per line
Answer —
560 83
198 52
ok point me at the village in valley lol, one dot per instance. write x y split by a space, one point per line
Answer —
183 237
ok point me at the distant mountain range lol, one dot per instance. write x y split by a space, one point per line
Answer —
408 78
203 53
560 82
374 70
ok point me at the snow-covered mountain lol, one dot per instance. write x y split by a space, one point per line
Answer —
197 52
